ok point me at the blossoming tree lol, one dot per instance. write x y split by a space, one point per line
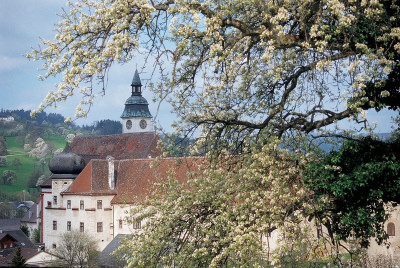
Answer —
242 72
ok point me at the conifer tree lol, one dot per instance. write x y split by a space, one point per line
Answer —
18 260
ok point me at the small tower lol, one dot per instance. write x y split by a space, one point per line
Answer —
136 116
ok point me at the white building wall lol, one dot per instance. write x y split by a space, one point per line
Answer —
393 249
90 216
136 125
122 212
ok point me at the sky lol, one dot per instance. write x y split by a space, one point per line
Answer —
23 22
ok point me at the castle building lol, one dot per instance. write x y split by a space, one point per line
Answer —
96 180
90 182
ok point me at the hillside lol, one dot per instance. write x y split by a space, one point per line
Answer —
30 144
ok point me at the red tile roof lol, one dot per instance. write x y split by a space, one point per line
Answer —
120 146
134 177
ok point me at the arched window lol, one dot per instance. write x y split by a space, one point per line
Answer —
390 229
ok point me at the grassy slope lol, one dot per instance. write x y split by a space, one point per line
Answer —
28 164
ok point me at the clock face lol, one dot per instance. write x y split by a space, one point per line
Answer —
143 124
129 124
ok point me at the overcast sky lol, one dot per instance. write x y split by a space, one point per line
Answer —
22 22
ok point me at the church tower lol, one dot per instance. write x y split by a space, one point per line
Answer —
136 116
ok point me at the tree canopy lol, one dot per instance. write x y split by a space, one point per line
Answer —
362 182
238 66
244 73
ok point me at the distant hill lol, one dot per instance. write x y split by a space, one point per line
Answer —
20 138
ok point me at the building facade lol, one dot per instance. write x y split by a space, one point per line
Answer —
96 181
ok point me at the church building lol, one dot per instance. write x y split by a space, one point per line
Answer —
95 180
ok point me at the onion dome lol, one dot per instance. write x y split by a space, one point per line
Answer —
136 105
66 162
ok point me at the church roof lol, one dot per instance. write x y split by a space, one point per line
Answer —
121 146
134 177
93 180
136 106
136 79
66 162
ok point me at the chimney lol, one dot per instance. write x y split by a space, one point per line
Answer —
111 178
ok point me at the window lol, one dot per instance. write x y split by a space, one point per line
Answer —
68 203
55 200
54 245
54 225
120 224
137 225
68 226
48 204
82 205
99 227
99 204
82 227
391 229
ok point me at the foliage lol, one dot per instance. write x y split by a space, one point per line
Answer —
3 146
36 235
18 260
279 65
8 177
16 162
40 149
362 181
76 248
108 127
5 210
23 116
241 72
33 178
379 261
28 165
25 229
3 161
220 217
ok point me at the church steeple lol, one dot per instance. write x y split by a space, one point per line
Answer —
136 85
136 116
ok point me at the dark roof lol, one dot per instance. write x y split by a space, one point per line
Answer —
10 224
121 146
22 240
105 259
66 162
46 183
9 253
136 106
20 204
2 235
136 79
30 215
134 177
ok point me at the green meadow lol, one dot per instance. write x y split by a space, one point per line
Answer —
23 171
